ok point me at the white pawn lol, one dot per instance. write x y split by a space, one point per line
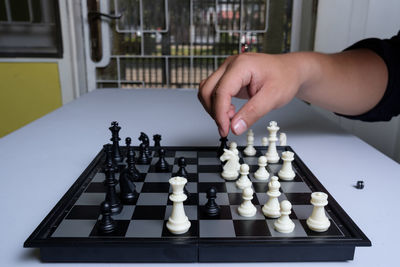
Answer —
262 173
286 173
178 223
318 221
247 209
271 209
250 150
284 224
264 141
244 180
272 154
282 139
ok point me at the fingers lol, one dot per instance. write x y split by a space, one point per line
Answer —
208 86
257 106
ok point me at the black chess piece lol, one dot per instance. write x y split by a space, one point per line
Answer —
223 145
360 185
109 158
157 144
211 207
107 224
145 140
128 142
162 165
143 157
127 187
115 140
131 169
111 195
182 170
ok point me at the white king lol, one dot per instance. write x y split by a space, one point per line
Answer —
272 154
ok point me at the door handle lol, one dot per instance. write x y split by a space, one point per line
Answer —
92 15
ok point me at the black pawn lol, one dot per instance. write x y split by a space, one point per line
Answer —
128 142
360 185
222 146
143 158
182 170
115 140
131 170
157 144
211 207
111 195
127 187
107 224
162 165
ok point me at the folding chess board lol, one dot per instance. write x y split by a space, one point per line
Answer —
70 233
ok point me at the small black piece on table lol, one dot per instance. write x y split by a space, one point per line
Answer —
107 224
115 140
183 173
222 146
162 165
360 185
111 195
109 157
211 207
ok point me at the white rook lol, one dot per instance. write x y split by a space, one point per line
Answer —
286 173
178 223
318 221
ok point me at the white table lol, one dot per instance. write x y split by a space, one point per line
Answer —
39 162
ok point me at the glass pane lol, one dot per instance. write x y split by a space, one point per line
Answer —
108 73
19 10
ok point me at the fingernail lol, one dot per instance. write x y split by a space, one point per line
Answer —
239 127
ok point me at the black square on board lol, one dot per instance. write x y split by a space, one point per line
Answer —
149 213
84 213
260 187
332 230
96 188
209 168
207 154
203 187
224 214
192 177
120 229
251 228
153 169
299 198
193 231
155 188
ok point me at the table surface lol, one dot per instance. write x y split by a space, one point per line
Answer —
40 161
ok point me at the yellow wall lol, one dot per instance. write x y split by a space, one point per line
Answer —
27 92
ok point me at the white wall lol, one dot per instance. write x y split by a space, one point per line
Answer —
340 23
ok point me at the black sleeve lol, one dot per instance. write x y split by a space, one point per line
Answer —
389 105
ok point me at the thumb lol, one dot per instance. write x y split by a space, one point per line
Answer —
257 106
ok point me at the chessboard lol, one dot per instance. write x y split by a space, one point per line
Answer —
70 232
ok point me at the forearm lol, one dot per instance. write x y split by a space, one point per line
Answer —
350 82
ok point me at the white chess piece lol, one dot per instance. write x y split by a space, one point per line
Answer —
284 224
250 132
262 173
247 209
233 148
286 173
282 139
178 223
231 167
250 150
271 209
244 180
264 141
318 221
272 154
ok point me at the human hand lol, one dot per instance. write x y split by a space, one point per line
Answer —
268 81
